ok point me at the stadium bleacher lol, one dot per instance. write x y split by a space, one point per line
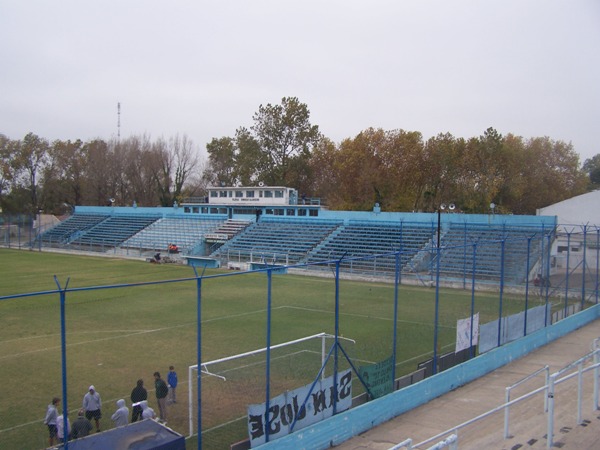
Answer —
284 240
111 232
71 228
184 232
490 244
496 250
359 239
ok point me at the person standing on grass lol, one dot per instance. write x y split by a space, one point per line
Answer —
172 381
60 429
92 405
121 415
161 391
50 420
147 412
138 394
81 426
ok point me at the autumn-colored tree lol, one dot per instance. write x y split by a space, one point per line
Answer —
402 170
186 161
395 168
553 174
444 179
99 186
324 179
358 168
64 176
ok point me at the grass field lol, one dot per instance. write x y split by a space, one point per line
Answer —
117 335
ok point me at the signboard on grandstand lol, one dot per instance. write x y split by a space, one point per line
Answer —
463 333
287 407
378 377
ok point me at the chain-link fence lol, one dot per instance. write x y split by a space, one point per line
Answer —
116 321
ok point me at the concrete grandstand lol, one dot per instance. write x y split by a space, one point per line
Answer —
555 251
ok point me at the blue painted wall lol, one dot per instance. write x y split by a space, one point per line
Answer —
345 216
343 426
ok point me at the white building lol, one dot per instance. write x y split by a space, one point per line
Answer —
578 232
581 210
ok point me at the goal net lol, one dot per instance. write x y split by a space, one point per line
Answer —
230 384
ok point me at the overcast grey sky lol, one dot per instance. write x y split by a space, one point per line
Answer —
202 68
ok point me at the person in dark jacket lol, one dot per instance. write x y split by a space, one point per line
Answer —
138 394
81 426
161 391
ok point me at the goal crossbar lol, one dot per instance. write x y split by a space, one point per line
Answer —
204 365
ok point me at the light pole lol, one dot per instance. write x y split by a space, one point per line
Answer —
442 207
451 207
39 229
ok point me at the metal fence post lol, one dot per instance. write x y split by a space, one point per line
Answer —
63 350
579 391
596 373
506 412
550 432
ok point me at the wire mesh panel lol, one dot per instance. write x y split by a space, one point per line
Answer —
394 314
232 383
30 349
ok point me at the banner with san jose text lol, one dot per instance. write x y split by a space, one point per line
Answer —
287 407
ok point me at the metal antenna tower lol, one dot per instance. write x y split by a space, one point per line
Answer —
119 121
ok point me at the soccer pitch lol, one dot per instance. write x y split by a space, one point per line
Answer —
118 335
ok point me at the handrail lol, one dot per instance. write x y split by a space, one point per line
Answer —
405 443
554 382
479 417
549 387
451 442
546 369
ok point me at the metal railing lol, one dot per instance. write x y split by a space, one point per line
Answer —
549 403
546 370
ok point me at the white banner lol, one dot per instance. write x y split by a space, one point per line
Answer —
287 407
463 333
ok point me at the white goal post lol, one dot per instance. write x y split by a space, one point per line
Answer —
204 367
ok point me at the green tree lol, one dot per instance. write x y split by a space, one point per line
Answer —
284 134
222 162
591 167
7 173
30 158
251 163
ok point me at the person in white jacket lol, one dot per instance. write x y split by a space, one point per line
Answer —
147 412
60 428
121 415
92 405
50 419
